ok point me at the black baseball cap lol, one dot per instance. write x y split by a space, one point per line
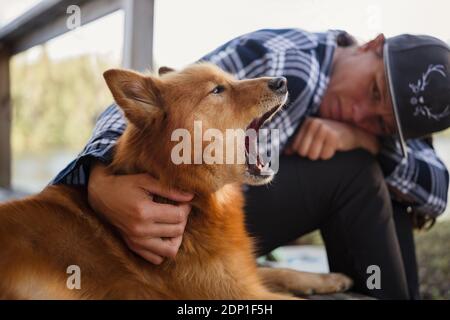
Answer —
418 76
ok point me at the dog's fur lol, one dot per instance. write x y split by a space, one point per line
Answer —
42 235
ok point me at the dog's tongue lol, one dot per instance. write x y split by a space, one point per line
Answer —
253 152
258 122
255 124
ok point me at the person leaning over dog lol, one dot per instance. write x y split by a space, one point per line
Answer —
358 161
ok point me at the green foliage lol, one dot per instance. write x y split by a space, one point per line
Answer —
55 103
434 261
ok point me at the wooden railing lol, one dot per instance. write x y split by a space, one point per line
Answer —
48 20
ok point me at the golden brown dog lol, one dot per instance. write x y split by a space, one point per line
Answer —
42 235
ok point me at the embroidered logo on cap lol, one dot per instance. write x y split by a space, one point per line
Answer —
418 89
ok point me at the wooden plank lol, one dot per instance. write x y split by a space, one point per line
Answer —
5 121
48 20
138 35
27 20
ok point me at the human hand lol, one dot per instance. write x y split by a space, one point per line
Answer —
321 138
152 230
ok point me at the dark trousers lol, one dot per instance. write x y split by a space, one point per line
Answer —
347 199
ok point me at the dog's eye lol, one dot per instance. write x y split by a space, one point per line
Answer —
217 90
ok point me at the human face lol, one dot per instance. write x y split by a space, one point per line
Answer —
357 93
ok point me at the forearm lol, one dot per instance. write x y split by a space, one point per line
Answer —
98 171
368 142
98 177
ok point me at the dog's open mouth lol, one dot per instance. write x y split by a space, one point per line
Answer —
257 166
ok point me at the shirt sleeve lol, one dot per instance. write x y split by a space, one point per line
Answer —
303 58
243 57
109 127
421 180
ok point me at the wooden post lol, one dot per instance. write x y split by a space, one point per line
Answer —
138 35
5 121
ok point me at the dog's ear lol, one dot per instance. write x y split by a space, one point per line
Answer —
138 95
164 70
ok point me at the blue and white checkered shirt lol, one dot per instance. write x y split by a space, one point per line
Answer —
305 60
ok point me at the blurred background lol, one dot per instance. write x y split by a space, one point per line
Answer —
57 88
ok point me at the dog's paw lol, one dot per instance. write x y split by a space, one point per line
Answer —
332 283
315 283
305 283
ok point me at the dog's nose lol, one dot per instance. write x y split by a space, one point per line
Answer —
279 84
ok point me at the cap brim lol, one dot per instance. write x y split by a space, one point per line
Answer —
387 68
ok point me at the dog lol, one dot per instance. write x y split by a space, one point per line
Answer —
44 234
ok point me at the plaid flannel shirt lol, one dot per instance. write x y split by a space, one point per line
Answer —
305 60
